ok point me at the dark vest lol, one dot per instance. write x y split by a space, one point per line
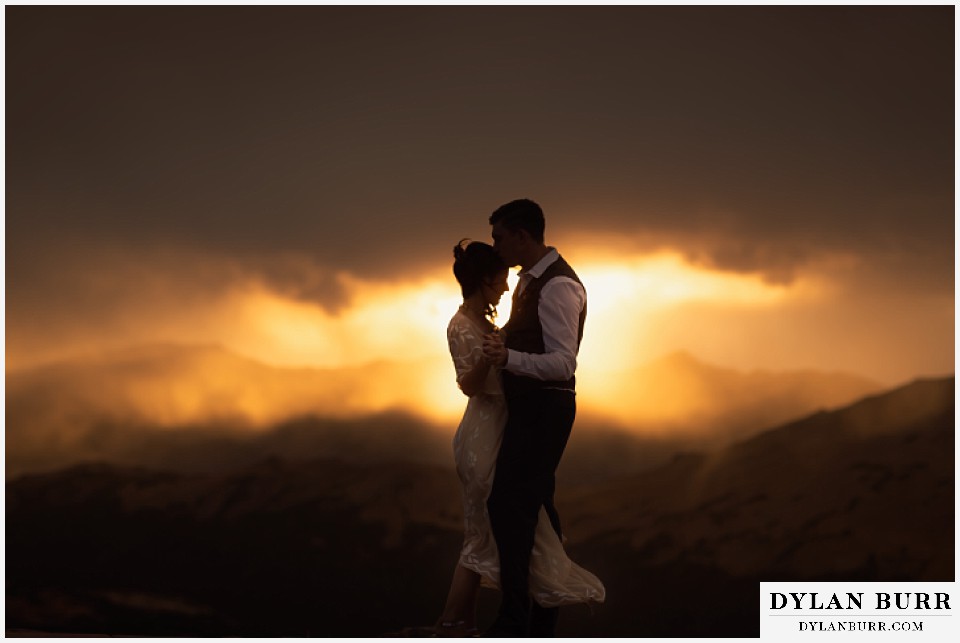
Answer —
524 333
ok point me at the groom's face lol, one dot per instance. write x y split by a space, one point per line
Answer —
508 244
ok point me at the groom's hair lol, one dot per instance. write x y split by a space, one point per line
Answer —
522 214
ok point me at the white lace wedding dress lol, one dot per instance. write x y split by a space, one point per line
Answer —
554 579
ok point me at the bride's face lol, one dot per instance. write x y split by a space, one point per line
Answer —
494 288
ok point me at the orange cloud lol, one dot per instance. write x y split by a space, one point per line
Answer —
383 345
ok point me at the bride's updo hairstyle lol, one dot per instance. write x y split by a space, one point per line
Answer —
473 263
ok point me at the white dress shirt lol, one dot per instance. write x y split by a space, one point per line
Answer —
561 301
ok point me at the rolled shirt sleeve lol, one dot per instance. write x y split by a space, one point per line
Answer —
561 301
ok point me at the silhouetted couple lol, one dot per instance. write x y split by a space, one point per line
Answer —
521 388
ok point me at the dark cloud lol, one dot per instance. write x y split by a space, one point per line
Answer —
372 138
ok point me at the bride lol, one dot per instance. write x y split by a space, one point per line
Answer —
554 579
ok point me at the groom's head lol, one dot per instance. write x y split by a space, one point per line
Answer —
518 231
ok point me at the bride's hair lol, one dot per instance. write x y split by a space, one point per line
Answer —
473 263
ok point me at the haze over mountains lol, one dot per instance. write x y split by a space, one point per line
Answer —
194 408
333 548
681 395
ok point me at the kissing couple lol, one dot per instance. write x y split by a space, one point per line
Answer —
521 387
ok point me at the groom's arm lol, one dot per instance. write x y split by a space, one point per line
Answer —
561 301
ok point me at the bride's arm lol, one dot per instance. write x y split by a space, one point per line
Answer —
473 380
468 359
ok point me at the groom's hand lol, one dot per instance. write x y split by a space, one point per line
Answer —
494 351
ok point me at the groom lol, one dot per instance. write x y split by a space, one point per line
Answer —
538 355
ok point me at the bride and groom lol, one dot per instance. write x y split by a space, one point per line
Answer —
521 388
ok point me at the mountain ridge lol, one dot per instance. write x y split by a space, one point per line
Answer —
258 550
855 469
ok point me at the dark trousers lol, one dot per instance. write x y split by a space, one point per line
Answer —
534 438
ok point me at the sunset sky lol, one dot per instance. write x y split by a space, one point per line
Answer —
762 187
